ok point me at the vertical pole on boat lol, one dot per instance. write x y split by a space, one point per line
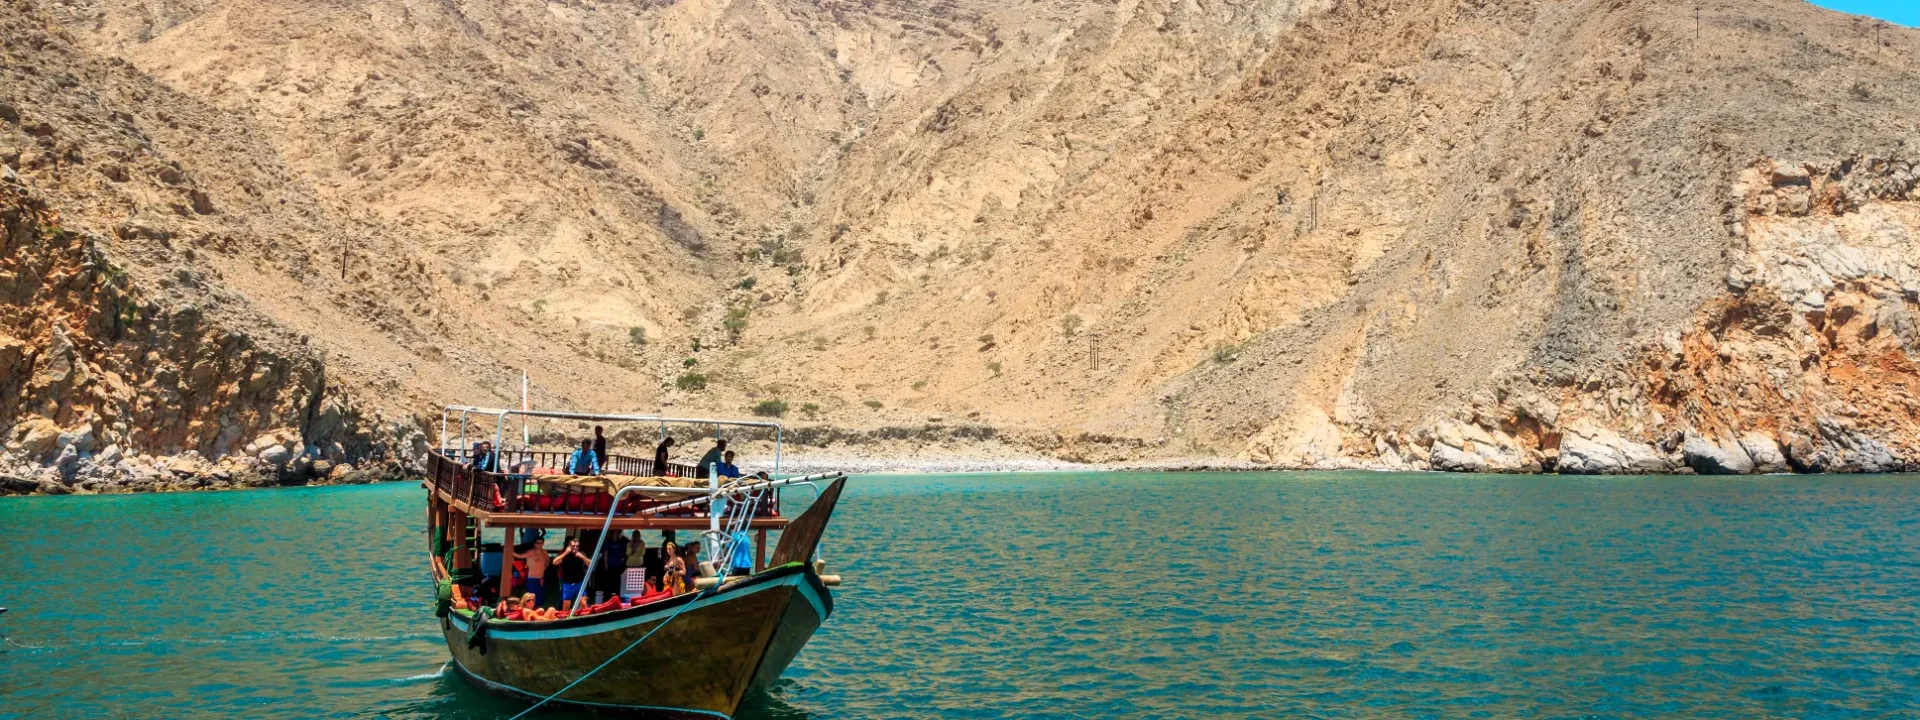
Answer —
760 550
506 563
463 432
457 534
526 405
779 439
714 537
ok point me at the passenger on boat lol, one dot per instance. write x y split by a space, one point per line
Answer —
613 563
742 552
583 461
710 459
660 456
573 570
633 579
509 609
600 445
690 556
536 558
676 577
483 459
656 564
726 467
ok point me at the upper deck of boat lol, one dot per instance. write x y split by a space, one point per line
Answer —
535 492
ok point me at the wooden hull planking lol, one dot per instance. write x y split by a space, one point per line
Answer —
702 664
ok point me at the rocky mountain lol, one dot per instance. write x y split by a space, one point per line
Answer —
1592 236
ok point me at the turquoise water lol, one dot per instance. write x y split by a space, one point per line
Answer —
1329 595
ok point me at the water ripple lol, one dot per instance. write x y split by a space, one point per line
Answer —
1309 595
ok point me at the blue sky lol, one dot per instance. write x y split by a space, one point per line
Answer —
1905 12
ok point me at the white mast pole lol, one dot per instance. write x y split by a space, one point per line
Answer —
526 404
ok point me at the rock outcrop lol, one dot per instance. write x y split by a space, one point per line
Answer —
109 388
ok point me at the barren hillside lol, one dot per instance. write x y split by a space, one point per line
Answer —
1621 236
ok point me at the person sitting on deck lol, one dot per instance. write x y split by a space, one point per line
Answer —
726 468
660 457
709 460
482 459
510 609
583 461
690 557
537 560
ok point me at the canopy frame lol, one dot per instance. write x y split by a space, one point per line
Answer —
500 416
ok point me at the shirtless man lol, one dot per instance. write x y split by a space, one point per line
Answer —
537 560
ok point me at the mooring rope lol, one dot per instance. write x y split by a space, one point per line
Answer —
616 656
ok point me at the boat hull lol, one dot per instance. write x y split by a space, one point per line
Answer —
727 644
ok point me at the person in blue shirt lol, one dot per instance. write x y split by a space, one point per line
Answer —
583 461
726 467
742 553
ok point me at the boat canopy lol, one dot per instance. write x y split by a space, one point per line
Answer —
500 415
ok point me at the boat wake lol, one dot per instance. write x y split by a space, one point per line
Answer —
411 679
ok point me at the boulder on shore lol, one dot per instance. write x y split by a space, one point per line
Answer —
1710 458
1765 453
1588 449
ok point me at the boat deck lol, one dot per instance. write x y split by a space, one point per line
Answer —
535 494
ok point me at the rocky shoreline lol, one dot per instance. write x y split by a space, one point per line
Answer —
77 469
112 472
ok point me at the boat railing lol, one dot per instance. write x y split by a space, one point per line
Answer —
532 483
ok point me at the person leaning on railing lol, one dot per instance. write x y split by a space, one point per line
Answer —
584 461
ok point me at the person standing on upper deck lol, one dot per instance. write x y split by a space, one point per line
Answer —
600 445
660 457
710 459
583 461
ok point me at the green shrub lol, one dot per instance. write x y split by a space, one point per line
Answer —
810 410
875 404
747 283
1071 324
770 408
637 335
691 381
689 362
995 367
735 322
919 385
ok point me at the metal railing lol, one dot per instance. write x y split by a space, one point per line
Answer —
521 487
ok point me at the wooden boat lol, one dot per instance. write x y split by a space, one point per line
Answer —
695 654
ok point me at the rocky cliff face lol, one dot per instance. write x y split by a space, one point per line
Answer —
1525 236
117 388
